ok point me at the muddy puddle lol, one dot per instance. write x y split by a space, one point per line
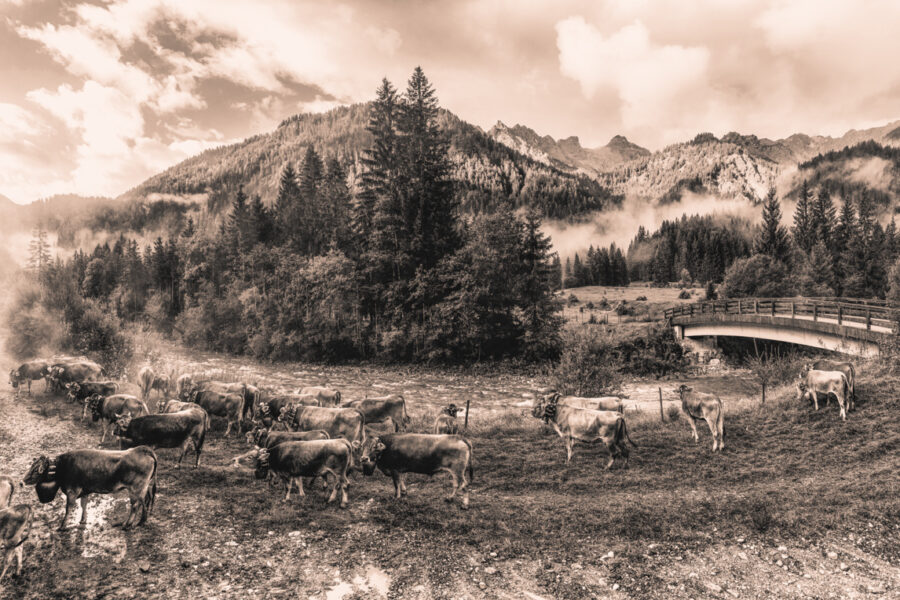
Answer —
372 581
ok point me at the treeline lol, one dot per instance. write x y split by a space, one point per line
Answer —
602 266
389 269
702 246
827 252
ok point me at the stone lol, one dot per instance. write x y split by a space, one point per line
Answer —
714 587
615 586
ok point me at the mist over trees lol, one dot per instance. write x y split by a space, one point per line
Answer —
390 268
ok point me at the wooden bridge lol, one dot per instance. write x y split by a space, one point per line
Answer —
845 325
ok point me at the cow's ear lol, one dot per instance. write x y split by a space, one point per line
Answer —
379 447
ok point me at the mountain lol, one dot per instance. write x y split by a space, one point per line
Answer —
567 154
867 167
484 170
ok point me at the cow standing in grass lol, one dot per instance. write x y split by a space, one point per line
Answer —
708 407
161 383
585 425
827 383
348 423
846 368
183 386
80 473
381 409
325 396
613 403
82 392
397 453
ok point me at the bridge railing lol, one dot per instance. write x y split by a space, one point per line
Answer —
848 312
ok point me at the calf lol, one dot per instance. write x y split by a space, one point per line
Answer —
825 382
446 421
80 473
347 423
708 407
15 525
229 406
379 410
146 377
182 429
585 425
82 392
325 396
28 372
397 453
110 408
294 460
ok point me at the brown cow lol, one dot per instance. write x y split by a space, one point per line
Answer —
696 406
347 423
146 377
108 409
15 525
825 382
161 383
445 423
7 488
28 372
613 403
227 405
380 409
846 368
325 396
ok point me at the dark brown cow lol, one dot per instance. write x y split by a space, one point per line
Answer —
76 371
226 405
182 429
397 453
110 408
80 473
295 460
146 377
251 394
381 409
170 406
28 372
161 383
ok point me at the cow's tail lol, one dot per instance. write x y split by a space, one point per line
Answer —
337 397
361 433
845 384
240 414
853 384
720 419
148 494
625 433
470 467
115 387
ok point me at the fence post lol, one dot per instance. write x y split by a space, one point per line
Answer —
816 313
756 306
840 314
662 416
773 308
739 305
869 318
793 309
466 424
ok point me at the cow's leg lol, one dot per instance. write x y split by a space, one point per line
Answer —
611 450
7 559
70 504
84 503
228 429
20 553
334 488
29 388
184 451
842 403
569 444
815 396
712 430
693 428
290 482
403 483
105 425
395 476
300 490
455 482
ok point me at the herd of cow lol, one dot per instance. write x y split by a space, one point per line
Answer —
307 434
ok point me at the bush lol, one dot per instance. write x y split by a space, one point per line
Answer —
684 295
589 306
98 333
641 299
587 366
32 328
673 413
624 309
573 299
760 275
711 291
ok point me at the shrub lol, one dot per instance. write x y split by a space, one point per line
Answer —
589 306
587 366
673 413
573 299
684 295
592 320
760 275
641 299
624 309
711 291
32 328
97 332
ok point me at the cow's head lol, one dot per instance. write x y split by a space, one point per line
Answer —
194 394
256 433
95 403
14 378
802 389
288 415
452 410
682 389
72 390
161 405
369 453
123 420
262 464
41 470
543 403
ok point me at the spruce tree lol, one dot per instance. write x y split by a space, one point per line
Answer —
540 319
38 250
804 229
773 239
823 218
287 203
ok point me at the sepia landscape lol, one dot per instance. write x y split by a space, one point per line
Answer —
476 299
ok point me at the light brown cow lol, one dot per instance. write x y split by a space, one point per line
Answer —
846 368
161 383
585 425
7 487
146 377
108 409
15 525
28 372
326 396
708 407
348 423
183 386
445 423
825 382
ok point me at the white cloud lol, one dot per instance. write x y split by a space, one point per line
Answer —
646 76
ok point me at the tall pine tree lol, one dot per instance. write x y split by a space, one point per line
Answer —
773 239
804 225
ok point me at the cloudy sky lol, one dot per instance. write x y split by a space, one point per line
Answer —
95 96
